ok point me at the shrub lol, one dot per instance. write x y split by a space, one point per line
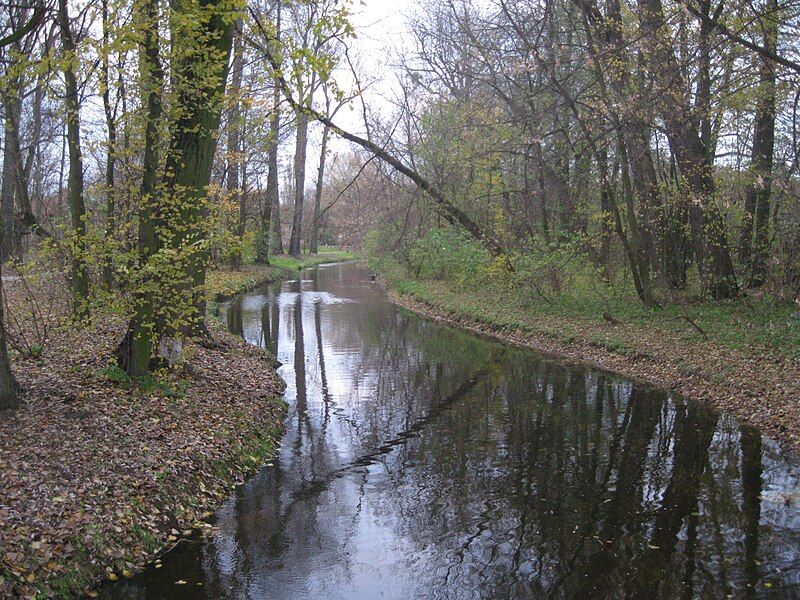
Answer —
446 253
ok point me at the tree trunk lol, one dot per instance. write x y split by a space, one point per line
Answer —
206 53
760 188
274 240
9 390
708 228
234 144
78 271
25 220
111 126
637 254
7 191
315 226
136 349
301 148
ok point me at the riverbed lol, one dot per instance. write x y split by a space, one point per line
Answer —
423 462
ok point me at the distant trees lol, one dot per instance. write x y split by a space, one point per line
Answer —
650 143
649 133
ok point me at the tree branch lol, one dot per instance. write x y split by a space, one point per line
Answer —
449 209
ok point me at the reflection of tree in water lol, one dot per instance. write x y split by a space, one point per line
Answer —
498 474
233 317
561 483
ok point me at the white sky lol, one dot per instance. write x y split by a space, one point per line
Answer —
381 35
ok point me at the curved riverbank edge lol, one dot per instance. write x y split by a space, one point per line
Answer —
759 390
99 474
224 284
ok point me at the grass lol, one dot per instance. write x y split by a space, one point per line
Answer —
224 282
750 325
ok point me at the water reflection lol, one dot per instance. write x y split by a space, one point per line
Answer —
420 462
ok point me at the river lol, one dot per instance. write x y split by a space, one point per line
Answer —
423 462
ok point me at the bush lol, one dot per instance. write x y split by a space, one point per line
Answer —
448 254
553 267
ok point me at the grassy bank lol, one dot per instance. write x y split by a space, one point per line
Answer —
222 283
99 472
743 357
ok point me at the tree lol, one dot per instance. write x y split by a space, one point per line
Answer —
79 275
111 130
707 226
173 235
271 211
9 389
136 349
235 172
755 241
313 245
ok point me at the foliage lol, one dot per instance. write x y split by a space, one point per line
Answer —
161 384
447 253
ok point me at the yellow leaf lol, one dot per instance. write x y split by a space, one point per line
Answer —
127 573
113 576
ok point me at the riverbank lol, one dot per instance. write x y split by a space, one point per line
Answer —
223 283
757 382
99 473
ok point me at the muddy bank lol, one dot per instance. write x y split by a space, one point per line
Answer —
98 473
761 390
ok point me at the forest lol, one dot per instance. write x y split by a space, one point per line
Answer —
612 181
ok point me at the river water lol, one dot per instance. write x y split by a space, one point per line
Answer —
423 462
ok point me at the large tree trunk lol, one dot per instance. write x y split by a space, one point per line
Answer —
136 349
314 246
79 276
171 217
755 231
301 147
206 52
